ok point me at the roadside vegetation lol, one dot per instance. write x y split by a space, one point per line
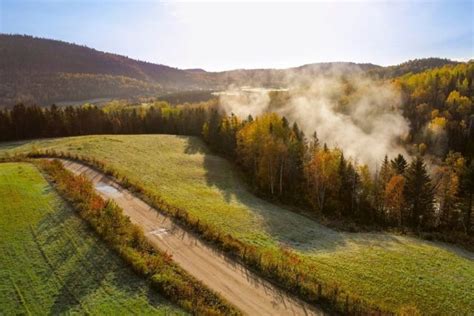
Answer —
52 263
129 241
352 271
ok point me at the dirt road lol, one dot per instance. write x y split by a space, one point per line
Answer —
250 293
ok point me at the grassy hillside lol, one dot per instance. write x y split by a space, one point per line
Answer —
51 263
391 271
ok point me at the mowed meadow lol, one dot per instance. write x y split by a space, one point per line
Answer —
394 272
52 263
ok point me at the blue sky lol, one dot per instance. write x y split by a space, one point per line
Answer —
229 35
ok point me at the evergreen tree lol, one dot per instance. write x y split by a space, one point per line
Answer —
419 195
399 164
296 159
382 177
467 195
313 145
353 183
385 171
344 194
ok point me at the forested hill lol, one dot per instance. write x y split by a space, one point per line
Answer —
42 71
25 53
412 66
35 70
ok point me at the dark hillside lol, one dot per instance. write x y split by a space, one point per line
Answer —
43 71
35 55
35 70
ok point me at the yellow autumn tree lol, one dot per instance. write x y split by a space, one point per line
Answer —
448 179
394 199
262 145
322 176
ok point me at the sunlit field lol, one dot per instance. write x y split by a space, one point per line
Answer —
390 271
52 263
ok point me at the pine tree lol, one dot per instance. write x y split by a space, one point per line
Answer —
344 194
467 194
314 143
353 183
385 171
419 195
296 160
381 180
399 164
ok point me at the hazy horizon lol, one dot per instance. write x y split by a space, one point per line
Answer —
225 36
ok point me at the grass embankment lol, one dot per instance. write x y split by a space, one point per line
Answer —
129 241
391 272
52 263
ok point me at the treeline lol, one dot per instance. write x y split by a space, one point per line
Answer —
46 88
411 67
191 96
282 164
26 122
107 219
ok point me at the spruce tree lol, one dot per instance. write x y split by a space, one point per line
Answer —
381 180
385 172
419 195
399 164
467 195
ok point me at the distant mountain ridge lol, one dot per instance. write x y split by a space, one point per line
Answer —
18 53
412 66
43 71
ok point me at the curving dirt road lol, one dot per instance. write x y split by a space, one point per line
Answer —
247 291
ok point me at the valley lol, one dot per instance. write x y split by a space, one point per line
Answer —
237 158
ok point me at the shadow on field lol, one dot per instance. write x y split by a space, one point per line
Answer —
24 145
13 145
214 167
287 227
81 265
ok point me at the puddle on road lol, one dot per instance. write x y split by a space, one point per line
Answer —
160 232
107 189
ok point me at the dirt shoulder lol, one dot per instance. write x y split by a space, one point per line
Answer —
243 288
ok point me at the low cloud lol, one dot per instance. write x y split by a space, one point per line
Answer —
346 109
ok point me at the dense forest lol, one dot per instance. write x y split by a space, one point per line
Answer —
441 99
411 67
44 88
42 71
431 191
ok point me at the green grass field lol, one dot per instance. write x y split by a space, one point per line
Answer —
52 263
388 270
